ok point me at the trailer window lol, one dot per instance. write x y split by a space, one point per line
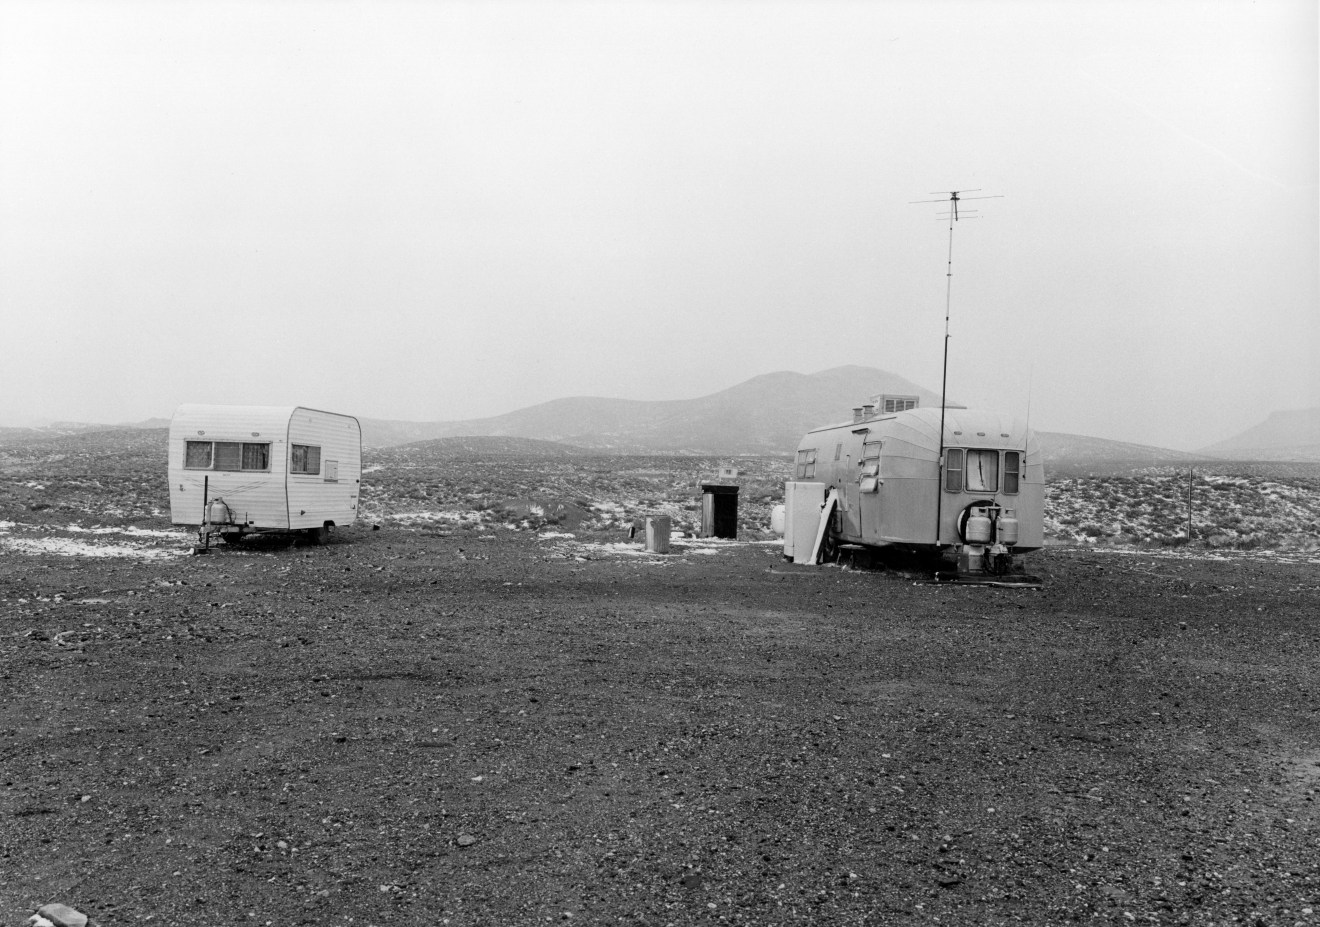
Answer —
256 456
1011 470
806 463
197 455
305 458
982 471
953 470
871 450
226 455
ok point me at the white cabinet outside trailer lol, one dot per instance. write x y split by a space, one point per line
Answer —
240 470
803 503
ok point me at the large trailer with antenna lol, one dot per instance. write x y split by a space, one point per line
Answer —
889 480
935 480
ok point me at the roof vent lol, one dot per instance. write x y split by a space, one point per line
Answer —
857 414
896 403
868 410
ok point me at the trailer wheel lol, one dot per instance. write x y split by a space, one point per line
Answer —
829 547
318 536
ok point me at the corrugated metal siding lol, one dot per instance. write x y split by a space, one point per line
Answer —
312 500
255 496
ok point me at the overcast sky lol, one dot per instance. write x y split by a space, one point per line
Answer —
450 210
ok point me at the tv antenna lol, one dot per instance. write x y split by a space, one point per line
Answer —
954 214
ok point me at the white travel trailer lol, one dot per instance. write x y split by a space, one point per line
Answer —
885 484
240 470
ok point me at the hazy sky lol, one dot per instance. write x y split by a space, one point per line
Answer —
450 210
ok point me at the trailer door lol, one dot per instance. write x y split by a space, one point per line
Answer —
868 489
850 524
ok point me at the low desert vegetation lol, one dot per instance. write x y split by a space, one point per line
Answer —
1238 507
119 478
592 494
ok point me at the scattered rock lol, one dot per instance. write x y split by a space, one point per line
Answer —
60 915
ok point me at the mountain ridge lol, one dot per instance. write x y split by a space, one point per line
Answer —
1288 434
766 414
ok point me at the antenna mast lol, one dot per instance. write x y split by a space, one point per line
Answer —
953 198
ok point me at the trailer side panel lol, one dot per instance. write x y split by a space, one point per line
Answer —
324 468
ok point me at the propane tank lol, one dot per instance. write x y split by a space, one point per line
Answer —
777 519
1007 527
217 513
978 527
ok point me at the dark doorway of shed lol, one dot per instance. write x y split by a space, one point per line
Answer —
719 511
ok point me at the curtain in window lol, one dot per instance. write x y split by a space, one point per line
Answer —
305 458
982 471
256 456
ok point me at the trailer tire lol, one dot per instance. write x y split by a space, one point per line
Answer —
318 536
829 547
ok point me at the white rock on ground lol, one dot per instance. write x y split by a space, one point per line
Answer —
58 915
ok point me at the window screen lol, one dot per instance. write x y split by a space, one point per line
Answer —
197 455
305 458
982 471
953 469
228 455
1012 470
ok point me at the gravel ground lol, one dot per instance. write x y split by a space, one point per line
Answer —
408 727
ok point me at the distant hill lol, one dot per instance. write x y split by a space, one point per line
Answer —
84 438
489 446
1080 455
764 415
1290 435
40 433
